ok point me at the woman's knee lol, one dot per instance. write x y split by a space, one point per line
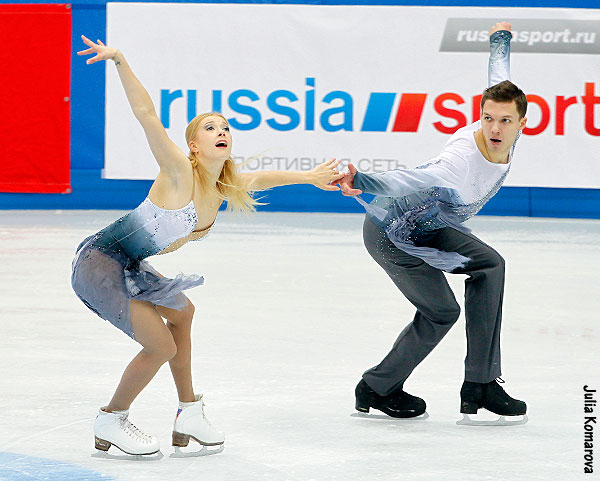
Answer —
169 350
184 317
188 311
164 351
178 318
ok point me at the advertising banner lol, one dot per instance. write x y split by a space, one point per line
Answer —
382 87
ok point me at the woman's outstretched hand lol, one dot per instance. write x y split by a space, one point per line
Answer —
325 175
102 51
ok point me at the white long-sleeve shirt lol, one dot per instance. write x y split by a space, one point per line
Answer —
445 191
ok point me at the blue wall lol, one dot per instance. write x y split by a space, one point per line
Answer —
90 191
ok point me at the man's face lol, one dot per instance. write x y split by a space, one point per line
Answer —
500 124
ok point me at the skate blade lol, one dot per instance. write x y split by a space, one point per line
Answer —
501 421
128 457
203 451
422 417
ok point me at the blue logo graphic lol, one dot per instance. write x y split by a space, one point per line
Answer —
287 111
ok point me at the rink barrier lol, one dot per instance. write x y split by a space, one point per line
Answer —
92 192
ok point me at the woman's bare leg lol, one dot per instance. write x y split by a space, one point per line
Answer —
190 420
158 347
179 323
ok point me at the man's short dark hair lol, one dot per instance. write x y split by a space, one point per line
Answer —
506 91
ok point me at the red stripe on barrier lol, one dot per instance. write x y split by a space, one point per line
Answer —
34 125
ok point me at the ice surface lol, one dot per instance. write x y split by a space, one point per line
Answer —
292 312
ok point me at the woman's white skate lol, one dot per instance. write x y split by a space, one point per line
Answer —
191 423
115 429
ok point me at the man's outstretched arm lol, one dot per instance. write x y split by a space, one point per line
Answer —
451 173
499 63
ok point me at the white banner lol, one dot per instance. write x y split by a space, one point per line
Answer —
380 86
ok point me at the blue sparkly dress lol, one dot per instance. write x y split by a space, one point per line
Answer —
410 204
110 269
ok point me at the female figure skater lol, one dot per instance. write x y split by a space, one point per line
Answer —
112 278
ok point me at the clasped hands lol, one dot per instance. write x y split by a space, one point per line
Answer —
346 183
326 176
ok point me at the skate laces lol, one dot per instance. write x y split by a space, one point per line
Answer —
202 411
204 414
133 431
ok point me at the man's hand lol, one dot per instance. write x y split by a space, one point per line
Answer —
347 182
500 26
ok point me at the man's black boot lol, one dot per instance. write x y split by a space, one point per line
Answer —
399 404
491 396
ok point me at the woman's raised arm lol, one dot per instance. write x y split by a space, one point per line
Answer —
169 156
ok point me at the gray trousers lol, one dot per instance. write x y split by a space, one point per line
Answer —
437 310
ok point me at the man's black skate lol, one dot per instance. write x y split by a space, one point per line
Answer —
398 404
491 396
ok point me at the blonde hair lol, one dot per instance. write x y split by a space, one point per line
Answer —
229 184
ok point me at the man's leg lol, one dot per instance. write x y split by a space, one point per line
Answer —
437 310
484 291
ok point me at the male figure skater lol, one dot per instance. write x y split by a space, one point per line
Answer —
413 230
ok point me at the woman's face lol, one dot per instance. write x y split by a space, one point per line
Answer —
213 139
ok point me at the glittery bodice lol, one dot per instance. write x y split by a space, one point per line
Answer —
147 230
